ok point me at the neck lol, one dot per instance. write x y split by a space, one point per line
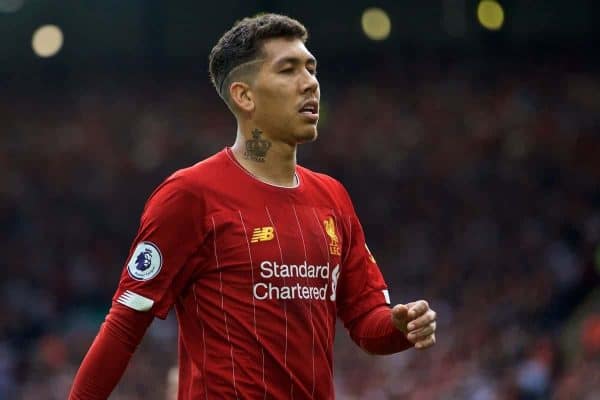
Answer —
269 160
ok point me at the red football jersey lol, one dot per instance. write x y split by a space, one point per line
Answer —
257 274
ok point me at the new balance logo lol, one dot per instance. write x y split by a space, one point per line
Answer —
262 234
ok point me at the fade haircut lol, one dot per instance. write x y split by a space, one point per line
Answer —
240 48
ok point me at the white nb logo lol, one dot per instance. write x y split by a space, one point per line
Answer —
335 274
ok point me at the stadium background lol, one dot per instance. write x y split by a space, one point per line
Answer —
471 154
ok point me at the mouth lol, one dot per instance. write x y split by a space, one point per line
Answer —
310 110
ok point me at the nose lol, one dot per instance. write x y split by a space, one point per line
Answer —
309 82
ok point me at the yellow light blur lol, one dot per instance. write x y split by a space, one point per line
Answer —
376 23
490 14
47 41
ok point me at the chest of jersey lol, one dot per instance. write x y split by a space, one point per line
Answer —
277 253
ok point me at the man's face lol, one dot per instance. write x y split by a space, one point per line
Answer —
286 92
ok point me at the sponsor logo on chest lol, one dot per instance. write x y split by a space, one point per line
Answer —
304 281
318 281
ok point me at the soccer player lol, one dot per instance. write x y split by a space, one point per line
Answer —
257 254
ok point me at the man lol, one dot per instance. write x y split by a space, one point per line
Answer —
257 254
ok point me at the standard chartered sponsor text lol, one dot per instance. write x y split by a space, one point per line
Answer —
268 291
313 287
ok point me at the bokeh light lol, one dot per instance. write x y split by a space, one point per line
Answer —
47 40
376 24
10 6
490 14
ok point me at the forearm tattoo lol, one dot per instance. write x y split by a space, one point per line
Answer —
257 147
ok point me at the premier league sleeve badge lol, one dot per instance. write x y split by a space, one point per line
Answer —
145 262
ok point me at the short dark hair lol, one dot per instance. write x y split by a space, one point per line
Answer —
243 43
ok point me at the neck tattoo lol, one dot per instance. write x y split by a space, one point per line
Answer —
257 147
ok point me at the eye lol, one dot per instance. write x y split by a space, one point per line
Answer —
312 71
288 70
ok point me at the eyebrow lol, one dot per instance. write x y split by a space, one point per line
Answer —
296 61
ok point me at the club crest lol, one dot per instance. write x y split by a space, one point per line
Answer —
334 243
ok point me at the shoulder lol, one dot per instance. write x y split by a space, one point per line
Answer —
187 185
324 182
198 177
201 173
320 179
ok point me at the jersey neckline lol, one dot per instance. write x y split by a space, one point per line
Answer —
300 185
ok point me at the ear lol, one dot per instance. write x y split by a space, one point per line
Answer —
241 96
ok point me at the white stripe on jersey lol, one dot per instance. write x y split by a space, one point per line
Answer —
222 306
262 350
284 305
203 343
329 339
349 236
135 301
386 294
312 325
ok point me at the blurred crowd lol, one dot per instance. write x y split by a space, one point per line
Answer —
477 188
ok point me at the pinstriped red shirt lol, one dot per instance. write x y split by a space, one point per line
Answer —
257 274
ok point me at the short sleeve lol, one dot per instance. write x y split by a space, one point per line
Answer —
159 261
361 285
